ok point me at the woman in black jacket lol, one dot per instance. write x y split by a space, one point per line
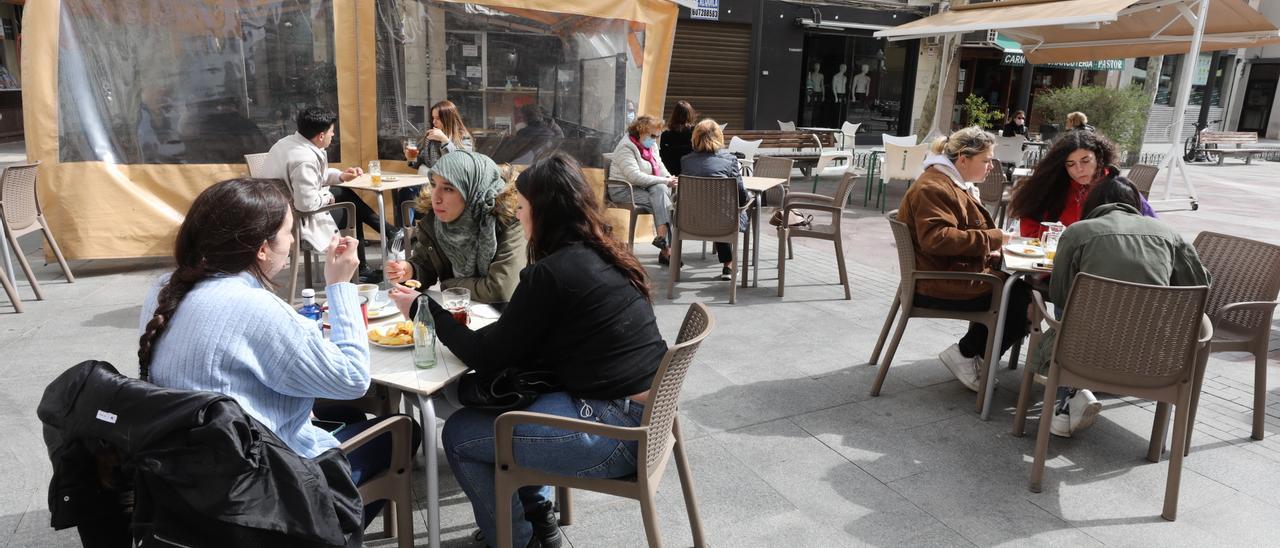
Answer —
675 141
710 159
582 310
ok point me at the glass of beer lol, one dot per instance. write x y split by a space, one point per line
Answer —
410 150
457 300
375 172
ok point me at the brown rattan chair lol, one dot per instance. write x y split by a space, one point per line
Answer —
833 205
904 300
255 163
10 290
634 210
20 214
994 192
1150 350
1245 278
1143 176
774 168
658 436
301 252
708 210
1030 375
393 484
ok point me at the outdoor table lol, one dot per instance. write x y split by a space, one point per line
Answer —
1019 267
364 182
394 369
757 186
1034 144
1022 172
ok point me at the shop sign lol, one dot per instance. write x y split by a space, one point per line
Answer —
1018 59
707 9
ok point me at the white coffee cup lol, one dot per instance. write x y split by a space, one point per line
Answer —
370 292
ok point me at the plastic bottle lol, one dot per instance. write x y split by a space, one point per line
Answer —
310 309
424 336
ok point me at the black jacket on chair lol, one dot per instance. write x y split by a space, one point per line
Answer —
202 472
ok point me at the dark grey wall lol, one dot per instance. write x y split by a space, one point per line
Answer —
773 87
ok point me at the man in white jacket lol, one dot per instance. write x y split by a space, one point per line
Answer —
301 161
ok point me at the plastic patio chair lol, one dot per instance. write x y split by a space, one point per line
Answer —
707 210
255 163
746 148
392 485
1152 351
900 163
908 141
302 251
774 168
10 290
994 195
786 126
904 299
1143 176
633 210
833 205
1242 303
658 436
20 214
1008 150
848 135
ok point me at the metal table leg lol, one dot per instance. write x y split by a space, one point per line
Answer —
433 472
755 244
997 342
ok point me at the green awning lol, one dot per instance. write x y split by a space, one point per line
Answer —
1008 45
1017 59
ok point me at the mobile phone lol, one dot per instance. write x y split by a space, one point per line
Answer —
331 427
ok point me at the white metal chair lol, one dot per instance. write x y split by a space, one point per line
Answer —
1009 150
900 162
746 148
908 141
786 126
848 133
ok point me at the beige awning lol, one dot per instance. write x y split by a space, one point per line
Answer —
1053 31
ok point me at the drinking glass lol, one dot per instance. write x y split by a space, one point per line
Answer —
410 150
375 172
457 300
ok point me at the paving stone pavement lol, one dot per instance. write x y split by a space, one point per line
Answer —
787 447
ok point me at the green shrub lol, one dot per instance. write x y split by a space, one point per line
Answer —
1120 114
980 113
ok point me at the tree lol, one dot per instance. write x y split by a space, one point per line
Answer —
1120 114
980 113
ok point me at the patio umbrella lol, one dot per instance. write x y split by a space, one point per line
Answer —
1081 30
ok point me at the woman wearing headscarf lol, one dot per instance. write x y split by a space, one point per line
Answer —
468 235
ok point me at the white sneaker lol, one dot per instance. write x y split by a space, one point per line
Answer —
1060 425
1083 409
964 369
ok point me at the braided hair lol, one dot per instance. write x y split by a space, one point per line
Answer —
221 234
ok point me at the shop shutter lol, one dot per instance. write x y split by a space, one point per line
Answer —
709 65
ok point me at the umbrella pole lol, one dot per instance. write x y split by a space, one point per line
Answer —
1173 160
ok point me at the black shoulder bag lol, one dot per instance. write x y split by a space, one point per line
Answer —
508 390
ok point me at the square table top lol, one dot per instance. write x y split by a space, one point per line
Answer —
394 366
403 180
1013 262
761 184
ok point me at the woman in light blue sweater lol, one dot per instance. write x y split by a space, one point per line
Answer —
213 325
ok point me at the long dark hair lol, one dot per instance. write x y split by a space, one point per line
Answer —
221 234
1115 189
1044 195
566 211
682 116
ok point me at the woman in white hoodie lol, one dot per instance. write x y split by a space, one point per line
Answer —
636 161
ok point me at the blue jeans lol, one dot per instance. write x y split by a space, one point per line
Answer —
468 440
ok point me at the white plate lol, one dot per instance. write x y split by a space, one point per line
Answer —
390 178
1024 250
387 309
393 347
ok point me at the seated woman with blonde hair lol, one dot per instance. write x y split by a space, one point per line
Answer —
468 235
710 159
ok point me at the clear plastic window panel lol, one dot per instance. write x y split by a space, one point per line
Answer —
525 82
162 82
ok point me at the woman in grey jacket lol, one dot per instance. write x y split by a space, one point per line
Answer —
710 159
636 161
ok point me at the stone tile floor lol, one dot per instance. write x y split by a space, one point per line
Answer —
786 446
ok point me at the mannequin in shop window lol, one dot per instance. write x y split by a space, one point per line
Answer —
815 84
862 85
839 85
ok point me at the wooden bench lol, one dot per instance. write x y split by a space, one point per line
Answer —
804 147
1216 143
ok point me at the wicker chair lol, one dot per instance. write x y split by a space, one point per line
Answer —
301 252
255 163
775 168
1151 351
658 436
995 197
833 205
905 296
708 210
20 214
1242 301
633 209
393 484
1143 176
10 290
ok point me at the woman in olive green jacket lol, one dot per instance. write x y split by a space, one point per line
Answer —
468 235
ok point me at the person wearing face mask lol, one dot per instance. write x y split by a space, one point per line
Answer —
953 232
214 324
636 161
468 235
1017 125
1056 190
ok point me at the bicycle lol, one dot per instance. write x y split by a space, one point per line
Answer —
1192 151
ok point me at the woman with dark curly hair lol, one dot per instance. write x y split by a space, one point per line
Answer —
1056 190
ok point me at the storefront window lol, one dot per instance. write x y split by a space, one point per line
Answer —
1165 89
857 79
525 81
159 82
1200 79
